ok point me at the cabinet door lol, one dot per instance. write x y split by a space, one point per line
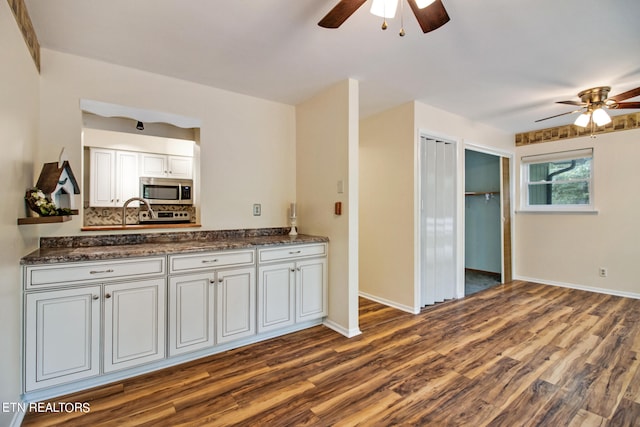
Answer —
128 179
102 190
154 165
191 305
134 323
311 289
180 167
235 304
276 296
62 336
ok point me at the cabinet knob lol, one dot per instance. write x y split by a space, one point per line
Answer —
107 296
95 297
212 280
298 268
293 270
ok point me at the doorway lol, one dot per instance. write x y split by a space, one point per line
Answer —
487 221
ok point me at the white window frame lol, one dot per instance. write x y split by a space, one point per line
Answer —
552 157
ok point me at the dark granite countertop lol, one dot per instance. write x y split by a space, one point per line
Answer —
97 248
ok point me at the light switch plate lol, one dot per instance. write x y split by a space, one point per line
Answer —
257 209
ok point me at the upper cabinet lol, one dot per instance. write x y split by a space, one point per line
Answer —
114 177
166 166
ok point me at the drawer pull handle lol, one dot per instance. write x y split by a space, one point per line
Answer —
209 261
294 252
101 271
107 296
95 297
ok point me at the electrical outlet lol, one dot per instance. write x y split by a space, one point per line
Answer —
257 209
105 212
602 271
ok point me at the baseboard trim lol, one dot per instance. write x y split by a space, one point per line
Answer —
580 287
408 309
349 333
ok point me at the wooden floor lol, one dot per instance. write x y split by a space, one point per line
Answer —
516 355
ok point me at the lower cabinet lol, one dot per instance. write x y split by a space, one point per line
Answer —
134 323
311 289
191 312
276 296
208 308
87 319
62 336
235 304
64 329
292 286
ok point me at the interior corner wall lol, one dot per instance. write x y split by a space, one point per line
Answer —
387 207
326 153
568 249
247 144
19 86
389 264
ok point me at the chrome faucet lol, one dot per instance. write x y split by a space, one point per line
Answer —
133 199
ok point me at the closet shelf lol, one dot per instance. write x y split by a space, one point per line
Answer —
480 193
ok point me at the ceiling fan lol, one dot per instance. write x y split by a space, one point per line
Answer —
594 102
430 14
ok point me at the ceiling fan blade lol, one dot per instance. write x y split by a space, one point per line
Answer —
626 95
340 13
580 104
620 105
431 17
558 115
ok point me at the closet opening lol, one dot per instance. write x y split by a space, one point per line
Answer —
487 221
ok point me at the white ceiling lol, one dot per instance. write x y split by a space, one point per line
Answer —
500 62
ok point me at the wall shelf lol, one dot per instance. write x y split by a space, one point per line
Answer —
47 219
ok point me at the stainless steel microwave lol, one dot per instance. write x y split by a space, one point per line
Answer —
167 191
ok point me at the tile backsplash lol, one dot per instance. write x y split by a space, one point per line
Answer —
113 216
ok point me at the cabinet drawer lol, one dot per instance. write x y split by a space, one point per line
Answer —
209 260
292 252
92 272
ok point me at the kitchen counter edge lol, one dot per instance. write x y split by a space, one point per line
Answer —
108 252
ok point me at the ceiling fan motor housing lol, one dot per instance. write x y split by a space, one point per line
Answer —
595 95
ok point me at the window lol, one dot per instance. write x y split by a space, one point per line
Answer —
558 181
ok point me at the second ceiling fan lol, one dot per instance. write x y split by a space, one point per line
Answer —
430 14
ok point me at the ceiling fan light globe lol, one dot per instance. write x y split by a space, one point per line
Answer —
600 117
583 120
423 3
384 8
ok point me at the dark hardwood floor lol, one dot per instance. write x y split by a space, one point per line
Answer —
520 354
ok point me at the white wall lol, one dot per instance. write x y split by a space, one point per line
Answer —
568 249
18 129
389 199
247 145
386 206
327 152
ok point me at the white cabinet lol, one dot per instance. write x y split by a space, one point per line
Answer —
292 285
62 336
163 166
134 323
113 177
75 318
211 299
276 296
311 289
191 312
235 304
